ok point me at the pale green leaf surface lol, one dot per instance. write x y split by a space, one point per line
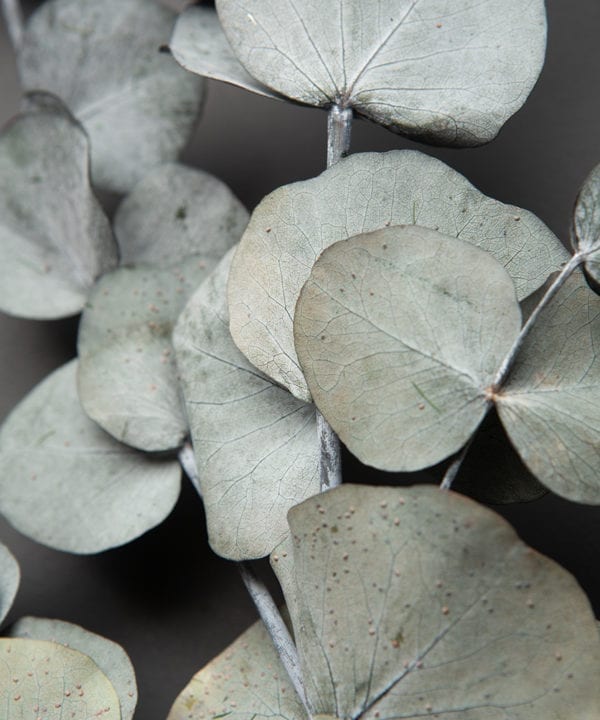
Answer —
54 682
10 577
399 333
245 681
200 46
550 404
412 603
67 484
175 212
450 72
137 105
364 192
255 444
54 237
108 655
587 223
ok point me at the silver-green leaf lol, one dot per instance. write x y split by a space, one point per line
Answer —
411 603
587 223
54 237
550 404
200 46
255 444
399 333
67 484
103 60
110 657
10 577
447 72
293 225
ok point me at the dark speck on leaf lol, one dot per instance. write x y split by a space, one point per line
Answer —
181 213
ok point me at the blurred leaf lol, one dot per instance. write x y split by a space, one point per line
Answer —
10 577
103 60
587 225
255 444
54 237
69 485
110 657
450 73
411 602
364 192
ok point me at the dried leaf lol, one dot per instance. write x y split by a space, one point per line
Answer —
10 577
587 224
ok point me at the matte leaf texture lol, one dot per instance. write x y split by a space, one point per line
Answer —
108 655
103 60
411 603
10 577
200 46
256 445
247 680
550 405
53 682
54 237
587 223
399 333
67 484
365 192
446 71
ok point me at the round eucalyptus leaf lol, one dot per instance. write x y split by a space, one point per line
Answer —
550 404
176 212
256 445
48 680
103 60
10 577
54 237
247 680
199 45
365 192
67 484
447 72
587 223
399 333
110 657
411 602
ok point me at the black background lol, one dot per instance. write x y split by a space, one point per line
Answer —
166 598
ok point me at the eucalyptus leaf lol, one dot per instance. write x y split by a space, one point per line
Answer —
447 72
399 333
587 223
103 60
54 237
48 680
10 577
200 46
67 484
550 404
411 602
247 680
365 192
256 445
108 656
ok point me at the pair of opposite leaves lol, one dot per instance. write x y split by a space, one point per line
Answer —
54 669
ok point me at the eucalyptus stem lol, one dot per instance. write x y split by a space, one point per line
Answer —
339 128
13 16
455 465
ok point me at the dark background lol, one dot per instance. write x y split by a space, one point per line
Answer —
166 598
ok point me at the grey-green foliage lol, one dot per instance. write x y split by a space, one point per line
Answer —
103 60
10 577
255 444
54 237
110 658
364 192
66 483
399 332
587 223
447 72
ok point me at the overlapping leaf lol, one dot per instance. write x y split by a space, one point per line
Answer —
255 444
365 192
10 576
103 60
54 237
67 484
587 223
450 73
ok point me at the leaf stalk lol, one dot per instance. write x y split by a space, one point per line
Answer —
13 16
